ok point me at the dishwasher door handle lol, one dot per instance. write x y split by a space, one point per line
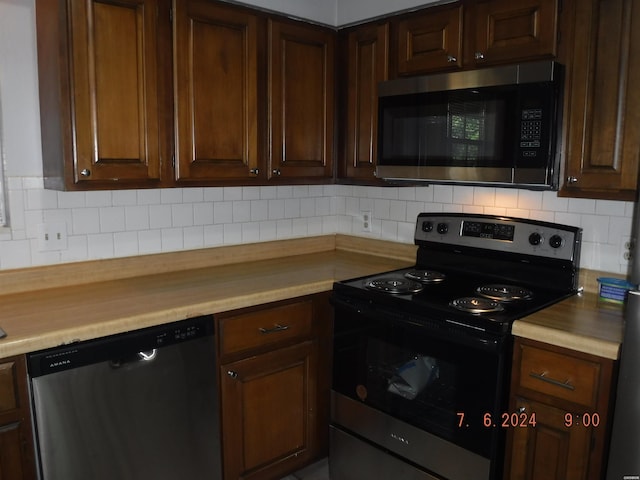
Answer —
140 356
148 355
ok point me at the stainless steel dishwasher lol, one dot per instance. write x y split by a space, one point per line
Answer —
136 405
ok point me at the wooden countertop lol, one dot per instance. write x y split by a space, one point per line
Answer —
49 306
235 278
582 322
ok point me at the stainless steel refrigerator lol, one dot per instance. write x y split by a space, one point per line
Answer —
624 453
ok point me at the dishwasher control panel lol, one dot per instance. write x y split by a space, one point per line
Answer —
119 349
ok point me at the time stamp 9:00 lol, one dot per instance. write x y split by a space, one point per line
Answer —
524 419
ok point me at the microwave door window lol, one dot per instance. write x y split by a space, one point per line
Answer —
447 129
475 137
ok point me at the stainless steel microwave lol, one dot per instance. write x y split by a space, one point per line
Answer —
493 126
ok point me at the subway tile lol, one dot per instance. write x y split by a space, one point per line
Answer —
150 241
232 233
292 208
171 195
193 237
231 194
112 219
100 245
192 195
85 221
125 244
172 239
203 213
148 197
222 212
159 216
463 195
259 210
241 211
136 218
123 197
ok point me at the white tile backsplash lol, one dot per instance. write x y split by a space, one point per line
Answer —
109 224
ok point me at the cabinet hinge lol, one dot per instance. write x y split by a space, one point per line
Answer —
171 14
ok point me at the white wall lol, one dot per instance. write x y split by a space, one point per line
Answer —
338 12
354 11
132 222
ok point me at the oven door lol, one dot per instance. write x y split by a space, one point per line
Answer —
444 387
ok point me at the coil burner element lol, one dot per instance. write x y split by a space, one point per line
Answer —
477 305
425 276
394 285
505 293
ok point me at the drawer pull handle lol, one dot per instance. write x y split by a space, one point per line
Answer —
543 376
276 328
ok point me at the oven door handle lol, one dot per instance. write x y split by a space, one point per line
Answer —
543 377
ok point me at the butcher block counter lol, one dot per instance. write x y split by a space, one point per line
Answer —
44 307
582 322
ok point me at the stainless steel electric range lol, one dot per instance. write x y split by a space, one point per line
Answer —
422 355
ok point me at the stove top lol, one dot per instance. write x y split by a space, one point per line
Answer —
449 299
478 272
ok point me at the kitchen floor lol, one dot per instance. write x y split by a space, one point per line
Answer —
317 471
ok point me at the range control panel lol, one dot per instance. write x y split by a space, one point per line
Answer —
505 234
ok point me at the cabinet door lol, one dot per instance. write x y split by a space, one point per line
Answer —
603 101
366 65
16 443
215 98
269 407
513 30
550 450
114 90
301 100
430 41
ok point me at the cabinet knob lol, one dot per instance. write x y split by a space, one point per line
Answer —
232 374
276 172
572 180
254 171
479 56
85 172
451 59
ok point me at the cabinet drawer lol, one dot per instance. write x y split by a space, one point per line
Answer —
265 327
562 376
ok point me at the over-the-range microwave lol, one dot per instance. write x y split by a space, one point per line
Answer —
492 126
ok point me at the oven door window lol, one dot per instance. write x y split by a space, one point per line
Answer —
448 389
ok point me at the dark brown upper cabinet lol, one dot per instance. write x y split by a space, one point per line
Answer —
101 92
509 31
161 93
301 101
215 54
364 63
473 33
430 41
602 114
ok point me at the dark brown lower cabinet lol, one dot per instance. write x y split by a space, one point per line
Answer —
564 396
16 441
274 393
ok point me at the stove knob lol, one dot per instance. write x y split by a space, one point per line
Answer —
556 241
443 228
427 226
535 239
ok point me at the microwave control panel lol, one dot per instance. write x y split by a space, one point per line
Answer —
530 131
